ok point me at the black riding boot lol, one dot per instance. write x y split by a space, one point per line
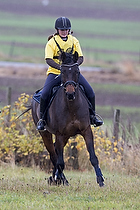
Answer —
93 119
41 123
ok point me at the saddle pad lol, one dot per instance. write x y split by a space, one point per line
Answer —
37 96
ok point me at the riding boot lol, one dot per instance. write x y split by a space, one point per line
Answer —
41 123
93 119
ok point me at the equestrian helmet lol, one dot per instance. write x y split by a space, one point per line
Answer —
62 23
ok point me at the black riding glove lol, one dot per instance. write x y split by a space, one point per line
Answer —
52 63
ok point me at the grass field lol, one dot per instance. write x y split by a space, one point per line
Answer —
104 40
24 188
111 32
108 30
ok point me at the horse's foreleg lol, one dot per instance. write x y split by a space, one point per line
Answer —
48 142
88 136
59 148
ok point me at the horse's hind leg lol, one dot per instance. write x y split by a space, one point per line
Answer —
88 136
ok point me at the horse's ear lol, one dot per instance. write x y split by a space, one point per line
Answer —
63 56
75 56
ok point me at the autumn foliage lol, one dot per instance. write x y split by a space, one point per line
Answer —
21 144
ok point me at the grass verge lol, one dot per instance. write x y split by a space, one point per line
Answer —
27 188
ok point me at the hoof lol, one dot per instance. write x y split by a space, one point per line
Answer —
60 179
51 180
65 182
100 181
54 181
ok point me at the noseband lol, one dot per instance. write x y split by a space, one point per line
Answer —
70 89
74 84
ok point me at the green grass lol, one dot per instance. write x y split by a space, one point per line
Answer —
117 88
23 188
94 35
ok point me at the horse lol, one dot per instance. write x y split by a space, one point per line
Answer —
67 116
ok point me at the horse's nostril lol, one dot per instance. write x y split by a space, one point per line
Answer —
71 96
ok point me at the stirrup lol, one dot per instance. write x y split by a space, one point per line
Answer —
41 125
96 121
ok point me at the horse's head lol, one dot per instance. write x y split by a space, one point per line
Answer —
69 78
69 58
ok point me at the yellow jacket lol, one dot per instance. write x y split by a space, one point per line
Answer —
52 50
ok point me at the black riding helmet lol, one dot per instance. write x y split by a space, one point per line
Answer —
62 23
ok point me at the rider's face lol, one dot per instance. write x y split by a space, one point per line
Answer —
63 33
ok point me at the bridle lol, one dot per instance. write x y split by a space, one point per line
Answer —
70 86
74 84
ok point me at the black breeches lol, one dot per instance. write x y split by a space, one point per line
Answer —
51 81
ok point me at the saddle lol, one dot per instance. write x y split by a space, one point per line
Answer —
37 94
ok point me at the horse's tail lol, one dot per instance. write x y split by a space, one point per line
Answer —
28 109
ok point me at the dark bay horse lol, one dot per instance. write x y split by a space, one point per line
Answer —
67 116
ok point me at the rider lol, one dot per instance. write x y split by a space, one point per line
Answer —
62 39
